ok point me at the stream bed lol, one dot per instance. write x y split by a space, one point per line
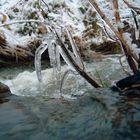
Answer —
83 112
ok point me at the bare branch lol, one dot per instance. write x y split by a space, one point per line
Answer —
116 11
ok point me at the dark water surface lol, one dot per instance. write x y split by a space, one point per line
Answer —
86 118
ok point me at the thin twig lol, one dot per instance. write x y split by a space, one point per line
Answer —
75 49
131 6
46 5
108 35
21 21
135 19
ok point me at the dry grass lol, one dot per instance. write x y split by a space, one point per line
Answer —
18 53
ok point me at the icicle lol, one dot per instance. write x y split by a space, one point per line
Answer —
64 78
137 34
54 56
58 63
51 51
75 50
38 54
65 57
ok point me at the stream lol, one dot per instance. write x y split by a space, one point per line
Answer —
42 112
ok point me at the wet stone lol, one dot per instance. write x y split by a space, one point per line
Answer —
4 91
4 88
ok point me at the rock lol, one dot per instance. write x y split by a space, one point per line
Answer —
4 88
4 91
129 82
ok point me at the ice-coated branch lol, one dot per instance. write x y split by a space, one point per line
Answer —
75 49
21 21
134 7
74 64
135 19
121 63
108 35
45 5
135 11
130 55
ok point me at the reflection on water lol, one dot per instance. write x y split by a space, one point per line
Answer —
85 118
3 100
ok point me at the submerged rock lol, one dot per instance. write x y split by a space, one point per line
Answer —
132 93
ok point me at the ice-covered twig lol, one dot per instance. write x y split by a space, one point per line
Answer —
137 27
21 21
74 64
65 75
75 49
134 7
45 5
121 63
108 35
40 50
130 55
135 19
65 57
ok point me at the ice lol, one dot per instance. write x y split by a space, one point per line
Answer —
38 54
64 80
55 61
58 68
66 59
47 44
54 55
75 50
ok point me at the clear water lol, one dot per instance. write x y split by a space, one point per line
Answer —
86 114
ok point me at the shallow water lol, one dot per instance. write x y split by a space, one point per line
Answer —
85 118
85 113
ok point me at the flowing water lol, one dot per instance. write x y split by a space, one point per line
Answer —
80 112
